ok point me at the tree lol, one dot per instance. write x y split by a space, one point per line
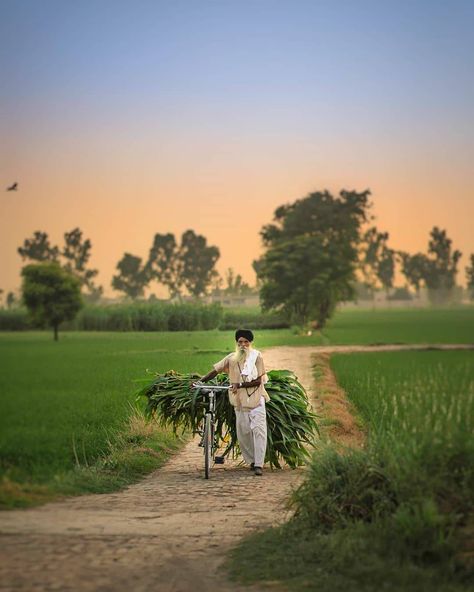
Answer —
132 277
441 267
378 260
38 248
164 263
235 284
190 264
414 268
198 262
311 254
11 300
75 255
51 294
470 277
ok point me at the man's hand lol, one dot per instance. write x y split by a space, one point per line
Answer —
235 387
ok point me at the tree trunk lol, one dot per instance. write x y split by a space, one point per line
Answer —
55 327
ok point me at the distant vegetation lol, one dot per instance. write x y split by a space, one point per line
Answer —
318 251
153 316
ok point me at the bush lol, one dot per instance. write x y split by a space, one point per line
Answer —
253 319
343 488
15 319
149 316
155 316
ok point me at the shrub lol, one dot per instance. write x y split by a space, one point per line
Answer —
15 319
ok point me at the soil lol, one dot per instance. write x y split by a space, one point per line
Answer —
171 531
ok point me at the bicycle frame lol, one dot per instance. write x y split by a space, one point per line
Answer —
209 423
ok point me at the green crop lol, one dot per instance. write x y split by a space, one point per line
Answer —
292 426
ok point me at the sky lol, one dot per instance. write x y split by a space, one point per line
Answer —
131 118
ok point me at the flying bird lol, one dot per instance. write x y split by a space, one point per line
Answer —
13 187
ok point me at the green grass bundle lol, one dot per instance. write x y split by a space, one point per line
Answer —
291 424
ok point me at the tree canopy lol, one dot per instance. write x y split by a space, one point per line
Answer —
132 276
74 256
311 254
189 265
51 294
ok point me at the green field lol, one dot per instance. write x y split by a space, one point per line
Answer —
63 404
453 325
394 516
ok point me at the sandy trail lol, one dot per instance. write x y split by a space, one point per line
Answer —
168 533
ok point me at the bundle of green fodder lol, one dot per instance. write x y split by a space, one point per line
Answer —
292 426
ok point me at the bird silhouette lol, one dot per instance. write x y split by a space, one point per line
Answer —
13 187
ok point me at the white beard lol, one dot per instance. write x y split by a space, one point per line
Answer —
241 355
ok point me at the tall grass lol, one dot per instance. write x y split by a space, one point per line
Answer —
419 407
394 516
431 325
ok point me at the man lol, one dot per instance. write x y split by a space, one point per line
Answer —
247 394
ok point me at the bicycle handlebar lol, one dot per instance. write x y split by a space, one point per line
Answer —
210 387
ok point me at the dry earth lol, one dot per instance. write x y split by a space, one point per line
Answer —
170 532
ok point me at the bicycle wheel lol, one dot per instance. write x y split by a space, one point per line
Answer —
207 445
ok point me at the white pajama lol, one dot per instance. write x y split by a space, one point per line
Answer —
252 433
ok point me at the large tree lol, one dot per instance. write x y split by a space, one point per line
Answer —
132 276
311 254
51 294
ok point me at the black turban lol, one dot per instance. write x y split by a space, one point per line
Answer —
245 333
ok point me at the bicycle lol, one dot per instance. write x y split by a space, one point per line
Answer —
207 431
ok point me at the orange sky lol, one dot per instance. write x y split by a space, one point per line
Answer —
120 200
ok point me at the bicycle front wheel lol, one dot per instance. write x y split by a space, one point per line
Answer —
207 445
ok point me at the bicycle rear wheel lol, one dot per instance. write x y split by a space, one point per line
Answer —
207 445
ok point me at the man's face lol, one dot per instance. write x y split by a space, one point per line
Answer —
243 344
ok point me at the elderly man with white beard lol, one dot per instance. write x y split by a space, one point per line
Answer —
247 394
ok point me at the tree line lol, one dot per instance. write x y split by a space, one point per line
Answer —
315 251
187 267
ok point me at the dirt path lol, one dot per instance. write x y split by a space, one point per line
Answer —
168 533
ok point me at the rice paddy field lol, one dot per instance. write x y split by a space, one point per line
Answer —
397 515
63 404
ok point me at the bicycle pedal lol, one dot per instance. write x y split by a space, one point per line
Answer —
219 460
